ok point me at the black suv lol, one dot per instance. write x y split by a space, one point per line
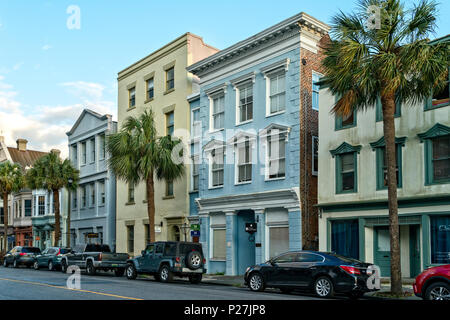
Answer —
167 259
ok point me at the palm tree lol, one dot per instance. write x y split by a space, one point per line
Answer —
53 174
137 154
11 180
393 62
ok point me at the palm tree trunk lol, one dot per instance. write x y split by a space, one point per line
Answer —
5 224
57 217
388 103
151 206
68 233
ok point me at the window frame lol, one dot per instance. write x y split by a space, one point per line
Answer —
149 89
246 85
275 74
379 111
131 197
170 127
313 92
339 180
211 253
211 156
282 140
217 96
315 149
237 160
380 168
168 80
132 97
428 105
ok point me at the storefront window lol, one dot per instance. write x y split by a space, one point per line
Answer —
219 244
278 241
440 239
345 238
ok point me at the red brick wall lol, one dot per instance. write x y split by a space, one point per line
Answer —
309 127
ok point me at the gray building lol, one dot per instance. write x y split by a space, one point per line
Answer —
93 206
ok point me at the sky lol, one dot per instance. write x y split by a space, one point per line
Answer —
51 68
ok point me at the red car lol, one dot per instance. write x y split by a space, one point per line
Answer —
433 283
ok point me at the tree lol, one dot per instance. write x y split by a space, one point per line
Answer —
53 174
11 180
138 154
391 59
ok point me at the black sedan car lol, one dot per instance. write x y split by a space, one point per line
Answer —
318 272
21 256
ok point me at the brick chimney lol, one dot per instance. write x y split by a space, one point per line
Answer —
58 152
22 144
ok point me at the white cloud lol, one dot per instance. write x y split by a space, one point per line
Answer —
46 127
46 47
85 90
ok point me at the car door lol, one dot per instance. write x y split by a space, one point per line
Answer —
280 273
42 257
157 257
305 267
10 255
146 259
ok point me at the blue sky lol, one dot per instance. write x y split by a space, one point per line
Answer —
48 73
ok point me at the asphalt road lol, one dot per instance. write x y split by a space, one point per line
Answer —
29 284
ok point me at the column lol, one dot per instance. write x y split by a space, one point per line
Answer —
295 228
204 237
231 236
259 235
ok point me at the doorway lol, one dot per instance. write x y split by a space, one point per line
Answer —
382 250
414 250
245 242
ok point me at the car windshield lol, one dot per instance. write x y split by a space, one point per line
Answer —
65 250
97 248
188 247
30 250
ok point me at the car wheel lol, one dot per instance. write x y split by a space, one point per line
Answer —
165 275
15 264
195 279
50 266
90 269
194 260
256 282
63 266
131 272
36 265
438 291
323 287
119 272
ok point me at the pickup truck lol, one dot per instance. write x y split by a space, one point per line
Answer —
93 257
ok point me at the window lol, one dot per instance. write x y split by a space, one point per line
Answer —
217 167
41 205
92 188
83 153
346 122
83 197
218 112
102 142
277 94
382 167
130 239
244 163
170 123
439 98
28 208
150 89
149 249
196 124
92 150
440 158
245 103
345 238
195 173
219 249
315 91
75 155
159 248
276 156
315 155
147 234
309 257
130 193
286 258
346 172
278 240
379 111
169 188
170 79
132 97
101 187
440 239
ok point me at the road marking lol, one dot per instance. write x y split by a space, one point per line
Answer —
61 287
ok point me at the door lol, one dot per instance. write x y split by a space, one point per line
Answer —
302 271
414 250
245 242
147 258
153 264
383 250
281 272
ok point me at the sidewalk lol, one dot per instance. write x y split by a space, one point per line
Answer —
238 281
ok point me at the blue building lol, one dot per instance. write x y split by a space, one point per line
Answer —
247 176
93 205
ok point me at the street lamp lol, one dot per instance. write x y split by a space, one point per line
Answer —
185 227
69 185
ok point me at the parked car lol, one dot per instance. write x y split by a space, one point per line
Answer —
164 260
50 258
321 273
21 256
433 283
93 257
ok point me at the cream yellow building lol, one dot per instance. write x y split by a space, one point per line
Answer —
160 82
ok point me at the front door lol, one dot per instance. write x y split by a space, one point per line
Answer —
245 242
383 250
414 250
